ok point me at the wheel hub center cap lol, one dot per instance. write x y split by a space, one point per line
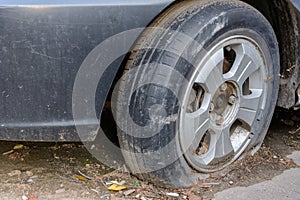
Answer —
220 103
224 103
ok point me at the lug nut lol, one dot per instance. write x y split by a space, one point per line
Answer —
232 100
219 120
224 86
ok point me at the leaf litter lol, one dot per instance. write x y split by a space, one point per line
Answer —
68 170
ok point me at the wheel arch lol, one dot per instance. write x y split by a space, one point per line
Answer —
284 17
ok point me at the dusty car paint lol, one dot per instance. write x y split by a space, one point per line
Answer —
42 45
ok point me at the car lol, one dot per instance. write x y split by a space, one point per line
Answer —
187 87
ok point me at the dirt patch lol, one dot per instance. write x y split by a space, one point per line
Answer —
68 171
47 168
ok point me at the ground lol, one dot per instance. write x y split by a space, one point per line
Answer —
67 171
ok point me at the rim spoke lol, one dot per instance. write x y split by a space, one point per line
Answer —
214 80
224 146
211 75
247 115
249 106
252 101
242 69
221 146
245 73
196 124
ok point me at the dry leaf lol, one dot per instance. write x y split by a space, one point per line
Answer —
17 147
33 197
81 178
115 187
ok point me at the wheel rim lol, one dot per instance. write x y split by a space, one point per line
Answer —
226 97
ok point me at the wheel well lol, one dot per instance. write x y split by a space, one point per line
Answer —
282 16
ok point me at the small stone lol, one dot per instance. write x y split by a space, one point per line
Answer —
230 182
30 180
29 173
93 147
275 157
24 197
171 194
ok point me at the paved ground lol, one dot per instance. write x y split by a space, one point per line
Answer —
283 187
